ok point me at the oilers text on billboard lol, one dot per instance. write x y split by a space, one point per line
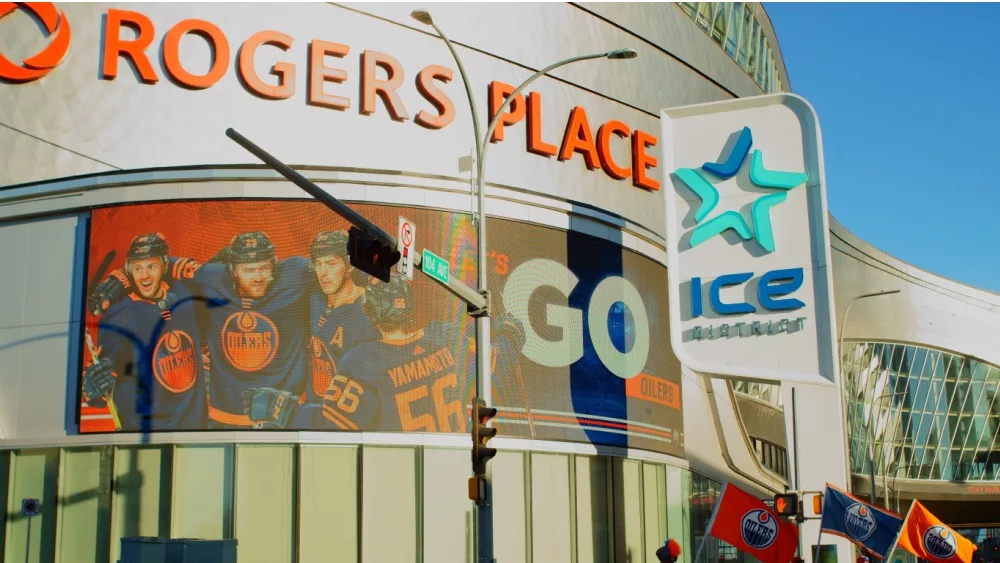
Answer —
247 315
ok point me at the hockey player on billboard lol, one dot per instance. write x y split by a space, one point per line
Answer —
148 365
258 337
336 316
411 379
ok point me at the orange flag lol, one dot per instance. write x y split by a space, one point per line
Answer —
927 537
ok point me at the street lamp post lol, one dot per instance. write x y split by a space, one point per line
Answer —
870 433
484 520
840 353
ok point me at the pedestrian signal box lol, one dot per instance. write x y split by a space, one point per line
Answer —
786 504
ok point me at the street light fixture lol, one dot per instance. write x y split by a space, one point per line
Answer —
484 521
840 355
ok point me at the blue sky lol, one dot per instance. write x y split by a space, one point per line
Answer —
908 97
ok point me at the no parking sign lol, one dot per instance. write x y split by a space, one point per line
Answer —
407 236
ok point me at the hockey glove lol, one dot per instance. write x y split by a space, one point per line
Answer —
98 380
266 406
108 292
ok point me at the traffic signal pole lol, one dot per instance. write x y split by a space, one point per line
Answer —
471 297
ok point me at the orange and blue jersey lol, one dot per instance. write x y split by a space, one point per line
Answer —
253 342
155 350
421 384
334 331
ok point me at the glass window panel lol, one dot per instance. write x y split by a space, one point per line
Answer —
628 510
976 426
745 37
654 503
732 34
979 370
389 503
33 474
761 60
685 493
592 515
85 505
550 518
993 375
328 502
510 514
689 8
675 503
141 503
752 47
704 15
265 489
448 514
202 499
721 23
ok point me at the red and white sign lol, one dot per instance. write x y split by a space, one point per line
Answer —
407 235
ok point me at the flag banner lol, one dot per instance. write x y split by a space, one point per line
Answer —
869 527
745 522
928 538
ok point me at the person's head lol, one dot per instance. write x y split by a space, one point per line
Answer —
251 262
390 305
673 550
145 263
328 255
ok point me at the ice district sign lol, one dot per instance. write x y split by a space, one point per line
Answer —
751 292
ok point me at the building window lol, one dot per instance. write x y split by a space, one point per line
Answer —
734 28
928 414
771 456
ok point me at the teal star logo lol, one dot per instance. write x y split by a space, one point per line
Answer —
760 211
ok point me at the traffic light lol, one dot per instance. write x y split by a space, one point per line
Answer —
786 504
370 255
481 414
818 504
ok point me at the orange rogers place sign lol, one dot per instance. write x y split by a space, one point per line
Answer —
594 145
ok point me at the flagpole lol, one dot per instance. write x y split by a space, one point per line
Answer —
902 528
711 520
819 542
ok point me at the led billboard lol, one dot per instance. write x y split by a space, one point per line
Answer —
221 314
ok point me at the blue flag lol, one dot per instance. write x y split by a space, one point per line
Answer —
869 527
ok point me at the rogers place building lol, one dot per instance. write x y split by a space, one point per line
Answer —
186 353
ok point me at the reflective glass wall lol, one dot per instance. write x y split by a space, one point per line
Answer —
921 413
767 392
735 29
306 503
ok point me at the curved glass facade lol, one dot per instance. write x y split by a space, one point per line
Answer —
921 413
733 26
290 502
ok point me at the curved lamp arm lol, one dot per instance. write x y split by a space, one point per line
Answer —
419 16
481 155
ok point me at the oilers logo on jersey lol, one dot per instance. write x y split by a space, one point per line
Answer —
249 340
323 366
174 361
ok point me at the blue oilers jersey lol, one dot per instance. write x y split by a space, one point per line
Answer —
334 332
155 350
254 342
424 384
415 385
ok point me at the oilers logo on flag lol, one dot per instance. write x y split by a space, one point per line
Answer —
759 529
940 542
859 522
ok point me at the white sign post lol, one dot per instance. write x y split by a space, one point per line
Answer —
751 291
407 236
